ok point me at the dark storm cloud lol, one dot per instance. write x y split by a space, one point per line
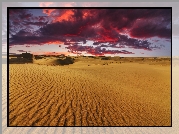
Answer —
151 30
76 49
23 33
60 28
69 30
16 17
22 19
18 12
134 43
72 26
40 40
125 19
102 45
35 23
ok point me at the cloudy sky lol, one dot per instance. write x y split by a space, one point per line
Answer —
72 31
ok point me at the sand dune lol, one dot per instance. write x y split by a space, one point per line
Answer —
114 94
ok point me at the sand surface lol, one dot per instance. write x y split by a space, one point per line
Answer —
88 93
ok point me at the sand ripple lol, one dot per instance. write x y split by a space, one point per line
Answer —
117 95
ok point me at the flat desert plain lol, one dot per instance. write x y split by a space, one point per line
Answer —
90 92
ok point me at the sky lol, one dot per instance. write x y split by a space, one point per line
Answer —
99 32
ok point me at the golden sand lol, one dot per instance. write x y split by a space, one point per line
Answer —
90 93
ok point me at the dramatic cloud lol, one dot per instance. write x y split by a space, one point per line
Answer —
108 28
78 49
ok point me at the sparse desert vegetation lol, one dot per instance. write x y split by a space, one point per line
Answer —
90 91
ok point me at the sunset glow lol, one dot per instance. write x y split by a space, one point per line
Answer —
126 32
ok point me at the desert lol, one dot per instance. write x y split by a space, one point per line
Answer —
90 91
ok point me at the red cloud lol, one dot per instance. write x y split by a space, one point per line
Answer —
58 16
48 11
72 26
